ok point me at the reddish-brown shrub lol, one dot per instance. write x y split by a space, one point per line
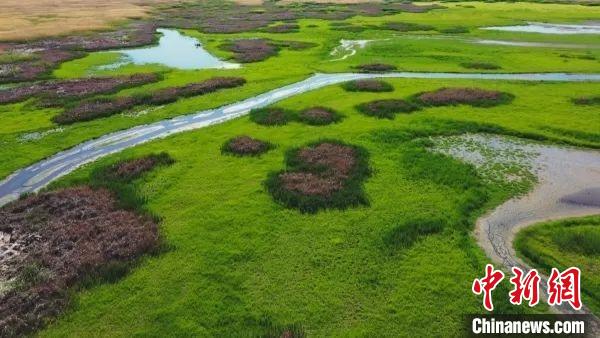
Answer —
282 28
376 67
327 174
270 116
75 88
318 116
471 96
386 108
65 235
368 85
134 168
103 107
245 145
251 50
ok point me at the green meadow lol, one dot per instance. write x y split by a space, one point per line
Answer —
236 263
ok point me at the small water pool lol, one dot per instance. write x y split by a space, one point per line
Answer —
547 28
174 50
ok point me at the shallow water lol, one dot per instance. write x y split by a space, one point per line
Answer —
348 48
546 28
568 186
530 44
174 50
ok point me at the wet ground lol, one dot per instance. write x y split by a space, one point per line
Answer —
568 185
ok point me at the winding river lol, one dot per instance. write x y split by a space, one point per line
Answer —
39 175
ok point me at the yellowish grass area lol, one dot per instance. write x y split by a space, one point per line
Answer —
283 2
26 19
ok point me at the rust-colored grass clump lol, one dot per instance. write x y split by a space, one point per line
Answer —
134 168
386 109
87 110
368 85
319 116
245 146
326 174
376 67
271 116
471 96
251 50
59 239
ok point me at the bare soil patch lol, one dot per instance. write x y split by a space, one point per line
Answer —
471 96
64 237
386 108
245 146
326 174
368 85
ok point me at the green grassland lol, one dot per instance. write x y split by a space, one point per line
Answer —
410 51
565 244
239 264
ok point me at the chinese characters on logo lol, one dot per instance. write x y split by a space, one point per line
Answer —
562 287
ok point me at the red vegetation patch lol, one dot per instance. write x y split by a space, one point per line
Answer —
64 237
245 145
368 85
103 107
134 168
376 67
75 88
271 116
318 116
471 96
324 175
282 28
326 165
251 50
386 108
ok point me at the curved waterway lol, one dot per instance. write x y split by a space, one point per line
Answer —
40 174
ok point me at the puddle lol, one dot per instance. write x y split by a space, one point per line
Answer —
530 44
37 135
174 50
568 186
348 48
546 28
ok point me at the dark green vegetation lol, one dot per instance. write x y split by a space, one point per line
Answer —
369 85
387 108
246 146
565 244
326 174
587 101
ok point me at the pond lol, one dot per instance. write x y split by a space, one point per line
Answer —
546 28
174 50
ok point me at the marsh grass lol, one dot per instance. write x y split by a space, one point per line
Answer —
368 85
